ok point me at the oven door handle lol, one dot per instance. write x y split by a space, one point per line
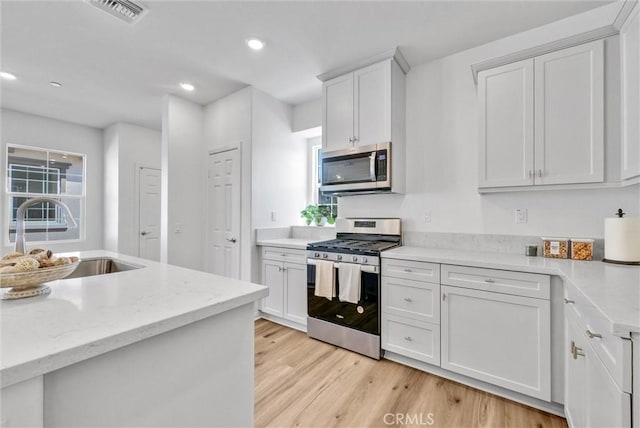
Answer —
363 268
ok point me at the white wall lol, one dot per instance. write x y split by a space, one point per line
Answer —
271 156
442 163
227 122
37 131
111 190
183 181
126 147
279 165
307 115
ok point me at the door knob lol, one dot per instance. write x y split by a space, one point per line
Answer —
232 240
144 233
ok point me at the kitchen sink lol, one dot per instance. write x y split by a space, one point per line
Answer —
101 266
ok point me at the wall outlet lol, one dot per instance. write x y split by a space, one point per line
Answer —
520 215
178 228
427 216
273 216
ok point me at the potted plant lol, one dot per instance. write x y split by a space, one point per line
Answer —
323 215
309 214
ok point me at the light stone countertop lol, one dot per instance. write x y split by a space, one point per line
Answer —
298 244
86 317
612 288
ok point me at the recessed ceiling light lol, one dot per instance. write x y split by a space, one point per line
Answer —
7 75
56 84
255 44
187 86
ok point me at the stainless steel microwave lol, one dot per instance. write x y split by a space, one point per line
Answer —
365 169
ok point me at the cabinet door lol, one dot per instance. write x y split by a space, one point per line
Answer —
372 104
506 125
273 277
575 396
569 115
337 113
295 292
497 338
630 56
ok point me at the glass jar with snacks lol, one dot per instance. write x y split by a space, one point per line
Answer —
557 248
582 249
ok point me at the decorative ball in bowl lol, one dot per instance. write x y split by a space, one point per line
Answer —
26 274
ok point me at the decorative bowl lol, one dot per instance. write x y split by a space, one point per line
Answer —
31 283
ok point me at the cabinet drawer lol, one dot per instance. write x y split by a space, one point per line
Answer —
613 351
498 281
413 299
415 339
284 255
417 271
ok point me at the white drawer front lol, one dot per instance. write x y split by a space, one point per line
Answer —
284 255
498 281
415 339
613 351
417 271
413 299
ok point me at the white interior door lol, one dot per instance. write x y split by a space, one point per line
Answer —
223 213
149 213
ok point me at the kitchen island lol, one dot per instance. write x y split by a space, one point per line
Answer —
155 346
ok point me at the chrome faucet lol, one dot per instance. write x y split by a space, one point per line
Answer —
22 209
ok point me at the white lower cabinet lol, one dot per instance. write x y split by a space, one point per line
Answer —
287 282
501 339
593 398
411 309
416 339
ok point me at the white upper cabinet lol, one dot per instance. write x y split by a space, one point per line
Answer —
630 90
357 107
337 112
569 115
506 125
372 104
542 120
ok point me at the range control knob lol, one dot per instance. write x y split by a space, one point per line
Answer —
325 255
355 259
339 257
364 260
316 255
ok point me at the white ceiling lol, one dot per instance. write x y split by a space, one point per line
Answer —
117 72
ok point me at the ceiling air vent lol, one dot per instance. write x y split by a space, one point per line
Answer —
126 10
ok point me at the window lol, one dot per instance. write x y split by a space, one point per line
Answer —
33 172
318 198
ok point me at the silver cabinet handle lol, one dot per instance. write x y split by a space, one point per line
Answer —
351 140
232 240
408 338
144 233
567 301
408 299
489 280
592 335
530 174
577 352
540 173
408 270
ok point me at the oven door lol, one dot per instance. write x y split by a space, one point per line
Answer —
363 316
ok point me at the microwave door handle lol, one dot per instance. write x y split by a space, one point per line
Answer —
372 166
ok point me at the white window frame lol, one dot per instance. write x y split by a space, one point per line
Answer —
316 179
9 195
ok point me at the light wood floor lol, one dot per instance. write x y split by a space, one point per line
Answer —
301 382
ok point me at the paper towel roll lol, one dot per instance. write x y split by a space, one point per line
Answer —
622 239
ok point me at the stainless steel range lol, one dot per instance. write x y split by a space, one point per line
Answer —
348 314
